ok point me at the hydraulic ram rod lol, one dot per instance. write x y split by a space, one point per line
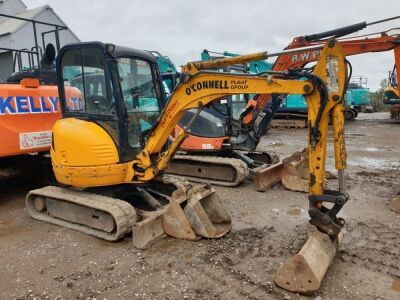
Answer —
222 62
342 31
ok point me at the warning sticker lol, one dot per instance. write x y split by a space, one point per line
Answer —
33 140
332 69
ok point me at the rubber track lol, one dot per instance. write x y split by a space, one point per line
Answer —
239 166
122 212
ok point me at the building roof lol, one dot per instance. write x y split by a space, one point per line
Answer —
13 25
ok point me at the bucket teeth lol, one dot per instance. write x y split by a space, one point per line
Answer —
303 273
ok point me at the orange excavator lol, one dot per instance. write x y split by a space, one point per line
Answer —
227 141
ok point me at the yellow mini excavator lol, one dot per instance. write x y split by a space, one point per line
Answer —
111 147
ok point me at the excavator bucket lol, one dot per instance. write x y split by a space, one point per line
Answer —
155 225
303 273
292 172
193 212
295 175
206 213
176 224
201 215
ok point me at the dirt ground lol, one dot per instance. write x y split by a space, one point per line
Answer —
42 261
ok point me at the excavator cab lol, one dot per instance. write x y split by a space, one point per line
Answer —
118 87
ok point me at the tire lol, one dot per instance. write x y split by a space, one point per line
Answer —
349 115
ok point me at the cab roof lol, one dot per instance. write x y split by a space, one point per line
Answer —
119 51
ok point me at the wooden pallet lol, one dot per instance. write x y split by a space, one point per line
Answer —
288 123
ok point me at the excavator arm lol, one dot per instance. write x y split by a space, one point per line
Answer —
304 272
334 74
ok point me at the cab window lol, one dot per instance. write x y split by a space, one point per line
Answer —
140 97
86 81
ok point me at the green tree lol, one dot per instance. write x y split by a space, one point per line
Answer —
377 96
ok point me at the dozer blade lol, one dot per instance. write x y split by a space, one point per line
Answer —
148 231
303 273
158 224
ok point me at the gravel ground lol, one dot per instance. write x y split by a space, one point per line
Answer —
42 261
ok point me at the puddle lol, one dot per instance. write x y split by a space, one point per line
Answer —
277 144
275 210
368 162
352 134
396 285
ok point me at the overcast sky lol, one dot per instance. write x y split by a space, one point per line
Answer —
181 29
